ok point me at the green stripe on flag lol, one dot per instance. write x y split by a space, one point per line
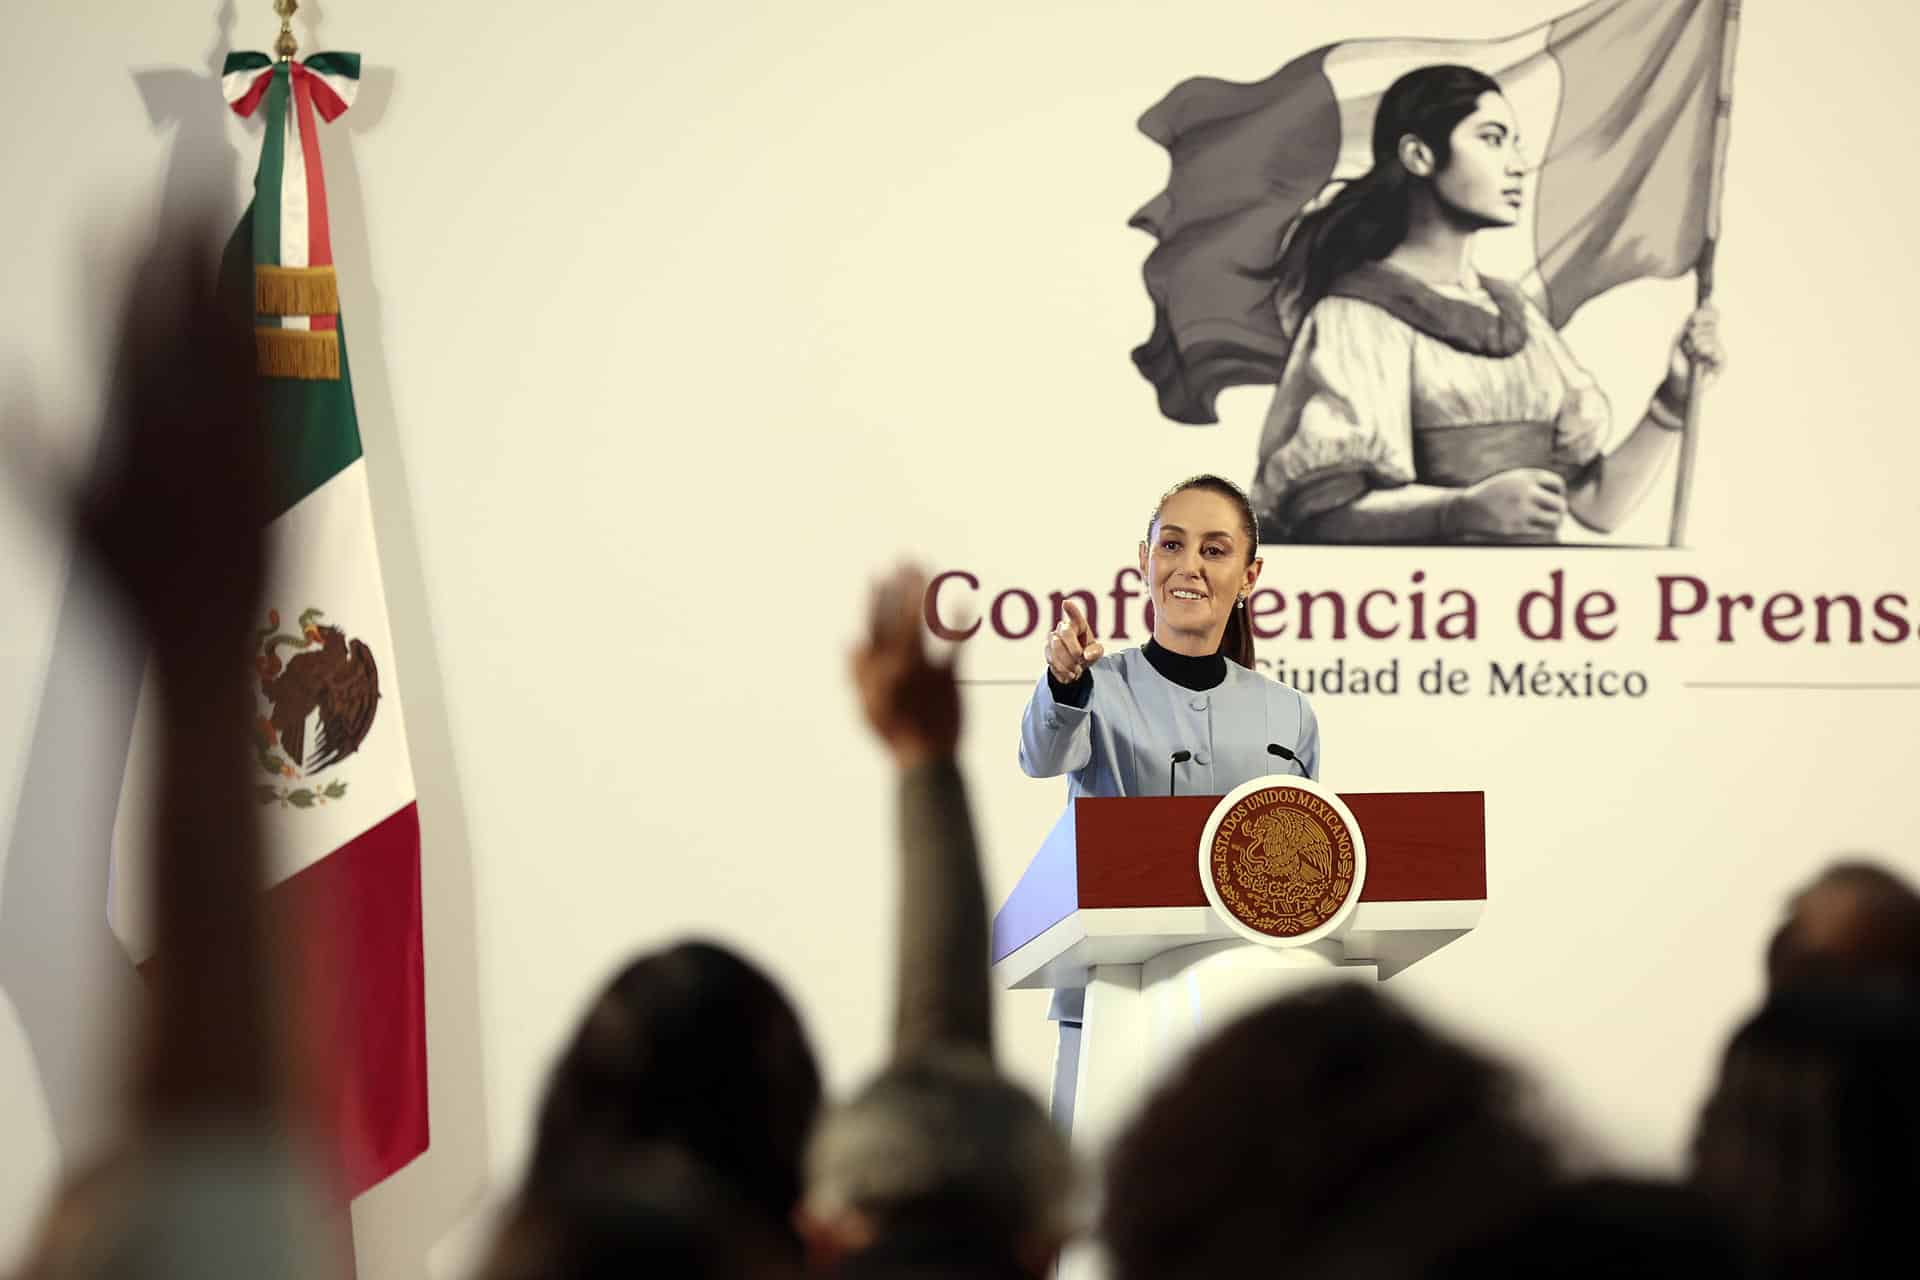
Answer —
267 179
1244 159
315 433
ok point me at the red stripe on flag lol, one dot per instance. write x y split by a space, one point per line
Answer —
319 229
356 914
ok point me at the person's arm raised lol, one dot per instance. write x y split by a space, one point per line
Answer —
209 1179
1055 736
1613 487
912 702
177 528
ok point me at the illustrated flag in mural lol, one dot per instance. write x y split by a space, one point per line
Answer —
335 781
1616 101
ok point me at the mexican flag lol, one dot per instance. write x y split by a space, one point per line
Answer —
335 781
1616 100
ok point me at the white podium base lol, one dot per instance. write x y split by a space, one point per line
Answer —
1139 1020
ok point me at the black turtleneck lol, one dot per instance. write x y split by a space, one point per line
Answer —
1188 672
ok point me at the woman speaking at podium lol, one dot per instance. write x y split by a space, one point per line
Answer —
1184 713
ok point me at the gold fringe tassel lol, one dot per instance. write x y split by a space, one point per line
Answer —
309 354
295 291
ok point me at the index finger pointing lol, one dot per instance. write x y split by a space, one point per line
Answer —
1079 618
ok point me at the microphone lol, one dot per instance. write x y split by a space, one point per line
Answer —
1178 758
1275 749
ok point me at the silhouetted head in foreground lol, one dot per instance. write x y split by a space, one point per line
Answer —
1810 1143
1328 1133
1858 922
654 1212
691 1047
1603 1228
939 1167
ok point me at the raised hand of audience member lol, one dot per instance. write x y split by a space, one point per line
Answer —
911 700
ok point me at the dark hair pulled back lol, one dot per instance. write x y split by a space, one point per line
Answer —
1237 643
691 1048
1367 219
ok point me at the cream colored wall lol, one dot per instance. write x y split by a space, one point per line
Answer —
672 323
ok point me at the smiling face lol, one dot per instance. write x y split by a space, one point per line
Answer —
1482 182
1197 566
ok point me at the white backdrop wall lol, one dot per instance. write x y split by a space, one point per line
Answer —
673 323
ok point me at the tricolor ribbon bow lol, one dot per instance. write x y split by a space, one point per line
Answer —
326 82
296 299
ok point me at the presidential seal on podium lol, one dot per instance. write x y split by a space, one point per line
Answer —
1282 860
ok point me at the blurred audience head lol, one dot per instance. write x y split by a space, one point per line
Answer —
1327 1133
1607 1227
652 1212
1810 1142
940 1166
691 1047
216 1201
1857 922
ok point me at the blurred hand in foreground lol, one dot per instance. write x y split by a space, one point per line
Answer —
911 700
172 517
173 521
208 1181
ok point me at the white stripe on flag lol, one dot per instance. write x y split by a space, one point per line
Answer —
1361 70
294 247
328 560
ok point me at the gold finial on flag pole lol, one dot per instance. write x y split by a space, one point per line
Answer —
286 46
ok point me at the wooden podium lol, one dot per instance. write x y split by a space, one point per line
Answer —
1112 906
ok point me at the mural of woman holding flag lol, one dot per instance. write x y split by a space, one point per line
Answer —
1319 232
1423 402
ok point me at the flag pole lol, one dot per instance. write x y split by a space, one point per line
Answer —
1703 270
286 46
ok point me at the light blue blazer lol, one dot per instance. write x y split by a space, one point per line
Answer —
1121 742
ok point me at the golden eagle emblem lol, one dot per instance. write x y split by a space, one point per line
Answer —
1285 844
1282 861
330 682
